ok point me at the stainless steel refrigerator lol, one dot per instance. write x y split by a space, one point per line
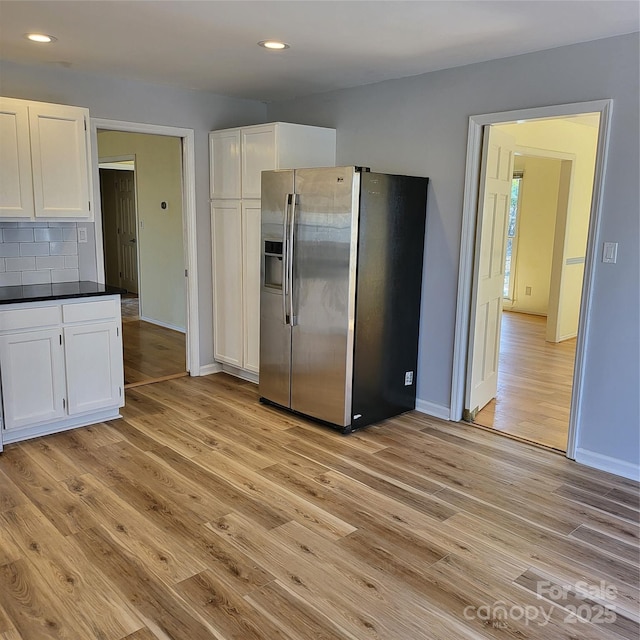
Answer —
341 276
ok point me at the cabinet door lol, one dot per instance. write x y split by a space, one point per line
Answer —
32 366
224 159
226 230
251 283
93 359
60 161
258 155
16 187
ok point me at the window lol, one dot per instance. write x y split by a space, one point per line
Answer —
512 230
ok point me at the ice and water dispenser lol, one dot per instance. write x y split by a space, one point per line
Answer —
273 265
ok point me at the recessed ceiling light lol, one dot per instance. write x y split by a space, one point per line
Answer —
273 44
39 37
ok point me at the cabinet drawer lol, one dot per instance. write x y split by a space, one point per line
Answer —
29 318
84 311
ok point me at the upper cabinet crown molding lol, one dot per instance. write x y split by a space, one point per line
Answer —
44 161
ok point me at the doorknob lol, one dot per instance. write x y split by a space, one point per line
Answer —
132 240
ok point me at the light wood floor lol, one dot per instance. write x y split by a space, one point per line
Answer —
204 515
151 352
534 383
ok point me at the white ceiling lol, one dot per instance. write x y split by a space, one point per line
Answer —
211 45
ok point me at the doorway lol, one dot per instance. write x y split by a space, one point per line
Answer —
119 222
478 358
142 223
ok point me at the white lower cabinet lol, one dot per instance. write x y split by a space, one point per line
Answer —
33 377
251 229
235 229
66 375
93 359
226 229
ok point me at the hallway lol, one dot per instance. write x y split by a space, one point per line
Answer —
534 383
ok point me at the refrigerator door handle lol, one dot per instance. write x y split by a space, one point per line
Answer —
292 224
285 259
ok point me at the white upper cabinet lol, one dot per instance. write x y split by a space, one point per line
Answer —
258 155
44 160
224 154
16 187
239 156
59 161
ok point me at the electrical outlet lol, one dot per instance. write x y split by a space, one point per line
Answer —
527 291
82 234
408 378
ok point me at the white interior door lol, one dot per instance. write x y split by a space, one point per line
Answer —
125 203
491 236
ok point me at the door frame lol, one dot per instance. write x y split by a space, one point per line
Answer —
467 244
114 160
189 233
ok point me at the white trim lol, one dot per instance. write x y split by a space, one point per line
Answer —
70 422
535 152
610 465
240 373
166 325
118 163
467 241
432 409
208 369
189 217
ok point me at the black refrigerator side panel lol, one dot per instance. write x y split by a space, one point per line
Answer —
388 287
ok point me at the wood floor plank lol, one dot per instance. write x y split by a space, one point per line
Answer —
205 515
230 614
320 579
68 581
298 618
170 616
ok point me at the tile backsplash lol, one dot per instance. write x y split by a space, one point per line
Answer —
38 252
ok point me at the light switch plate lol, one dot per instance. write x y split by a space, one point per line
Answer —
82 234
610 252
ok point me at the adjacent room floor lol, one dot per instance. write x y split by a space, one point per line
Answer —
151 352
534 383
204 514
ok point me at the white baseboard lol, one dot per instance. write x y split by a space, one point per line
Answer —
433 409
208 369
568 336
611 465
166 325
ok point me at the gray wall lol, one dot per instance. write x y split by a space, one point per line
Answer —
117 99
419 126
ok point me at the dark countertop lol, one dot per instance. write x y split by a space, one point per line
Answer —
44 292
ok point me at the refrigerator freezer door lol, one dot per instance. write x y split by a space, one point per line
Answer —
275 330
324 270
